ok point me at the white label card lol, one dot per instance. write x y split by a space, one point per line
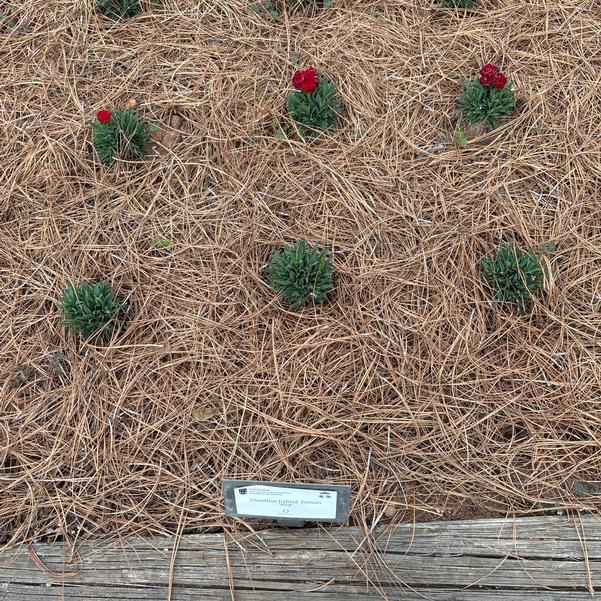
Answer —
287 503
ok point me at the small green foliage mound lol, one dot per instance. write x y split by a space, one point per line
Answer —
485 104
318 110
513 274
125 135
158 242
301 273
458 3
118 9
92 309
461 138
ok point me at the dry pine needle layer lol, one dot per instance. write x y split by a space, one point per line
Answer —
410 382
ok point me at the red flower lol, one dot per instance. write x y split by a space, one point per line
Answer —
104 116
499 81
306 80
489 70
488 73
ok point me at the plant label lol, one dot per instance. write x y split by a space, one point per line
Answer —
290 504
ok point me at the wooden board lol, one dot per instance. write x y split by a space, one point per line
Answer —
549 558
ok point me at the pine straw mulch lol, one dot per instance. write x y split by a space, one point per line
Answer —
410 384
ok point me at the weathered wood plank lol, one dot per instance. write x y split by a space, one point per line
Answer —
324 566
536 537
20 592
528 558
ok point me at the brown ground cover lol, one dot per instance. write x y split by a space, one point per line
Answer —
409 384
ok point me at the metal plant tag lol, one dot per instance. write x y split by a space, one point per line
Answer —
289 504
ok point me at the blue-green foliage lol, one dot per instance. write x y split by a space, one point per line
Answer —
316 111
92 309
126 136
513 274
485 104
302 273
118 9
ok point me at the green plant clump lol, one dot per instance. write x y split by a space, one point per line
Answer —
92 309
118 9
461 138
513 274
485 104
301 273
318 110
158 242
126 136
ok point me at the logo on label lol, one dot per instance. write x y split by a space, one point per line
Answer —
242 491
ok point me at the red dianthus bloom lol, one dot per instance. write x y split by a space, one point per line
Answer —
488 73
104 116
306 80
499 81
